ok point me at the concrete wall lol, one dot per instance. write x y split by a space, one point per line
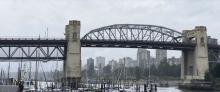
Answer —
201 52
195 62
72 64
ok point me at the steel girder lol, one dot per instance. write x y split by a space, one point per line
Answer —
119 35
214 51
134 32
137 44
33 49
213 47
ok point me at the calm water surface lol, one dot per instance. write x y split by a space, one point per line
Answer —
175 89
168 89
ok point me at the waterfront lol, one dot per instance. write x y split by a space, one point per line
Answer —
175 89
103 45
168 89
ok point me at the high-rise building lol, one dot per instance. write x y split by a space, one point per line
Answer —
161 55
129 62
121 62
174 61
153 61
90 63
211 40
143 58
90 67
213 56
113 64
100 63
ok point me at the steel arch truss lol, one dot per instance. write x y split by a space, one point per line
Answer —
134 32
32 52
135 36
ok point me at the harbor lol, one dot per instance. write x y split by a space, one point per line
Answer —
109 46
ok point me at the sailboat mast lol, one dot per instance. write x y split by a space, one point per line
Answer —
19 73
149 65
30 71
9 65
1 75
36 71
57 71
124 73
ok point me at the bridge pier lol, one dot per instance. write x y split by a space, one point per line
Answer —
195 62
72 62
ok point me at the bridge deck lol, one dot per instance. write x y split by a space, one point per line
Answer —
33 42
51 49
137 44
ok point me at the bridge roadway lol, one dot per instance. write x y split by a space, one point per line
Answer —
45 42
54 49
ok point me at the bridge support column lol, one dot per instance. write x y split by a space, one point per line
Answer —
195 62
72 63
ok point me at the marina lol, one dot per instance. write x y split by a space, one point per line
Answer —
109 46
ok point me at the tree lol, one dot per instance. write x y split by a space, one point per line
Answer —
215 70
208 76
137 73
164 69
91 71
153 70
107 71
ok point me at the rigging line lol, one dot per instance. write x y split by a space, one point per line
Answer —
9 66
21 57
119 75
30 71
57 71
44 74
57 61
19 67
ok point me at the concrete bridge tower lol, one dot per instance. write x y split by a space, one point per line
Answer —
195 62
72 63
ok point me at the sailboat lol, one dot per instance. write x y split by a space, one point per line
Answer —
22 77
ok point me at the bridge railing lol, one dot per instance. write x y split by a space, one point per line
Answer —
32 38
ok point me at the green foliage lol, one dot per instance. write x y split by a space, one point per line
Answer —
91 71
107 71
153 70
214 70
208 76
137 73
163 71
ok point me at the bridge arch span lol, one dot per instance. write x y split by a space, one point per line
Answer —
134 32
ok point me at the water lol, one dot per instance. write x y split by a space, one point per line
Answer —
172 89
160 89
175 89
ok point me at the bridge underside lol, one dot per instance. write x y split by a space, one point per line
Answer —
54 49
115 36
32 49
137 44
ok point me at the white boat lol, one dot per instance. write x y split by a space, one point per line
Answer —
29 86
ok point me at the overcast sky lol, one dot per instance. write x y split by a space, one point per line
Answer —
31 18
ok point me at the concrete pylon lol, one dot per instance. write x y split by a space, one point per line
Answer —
195 62
72 63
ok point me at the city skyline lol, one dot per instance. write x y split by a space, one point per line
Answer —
33 18
126 59
117 55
